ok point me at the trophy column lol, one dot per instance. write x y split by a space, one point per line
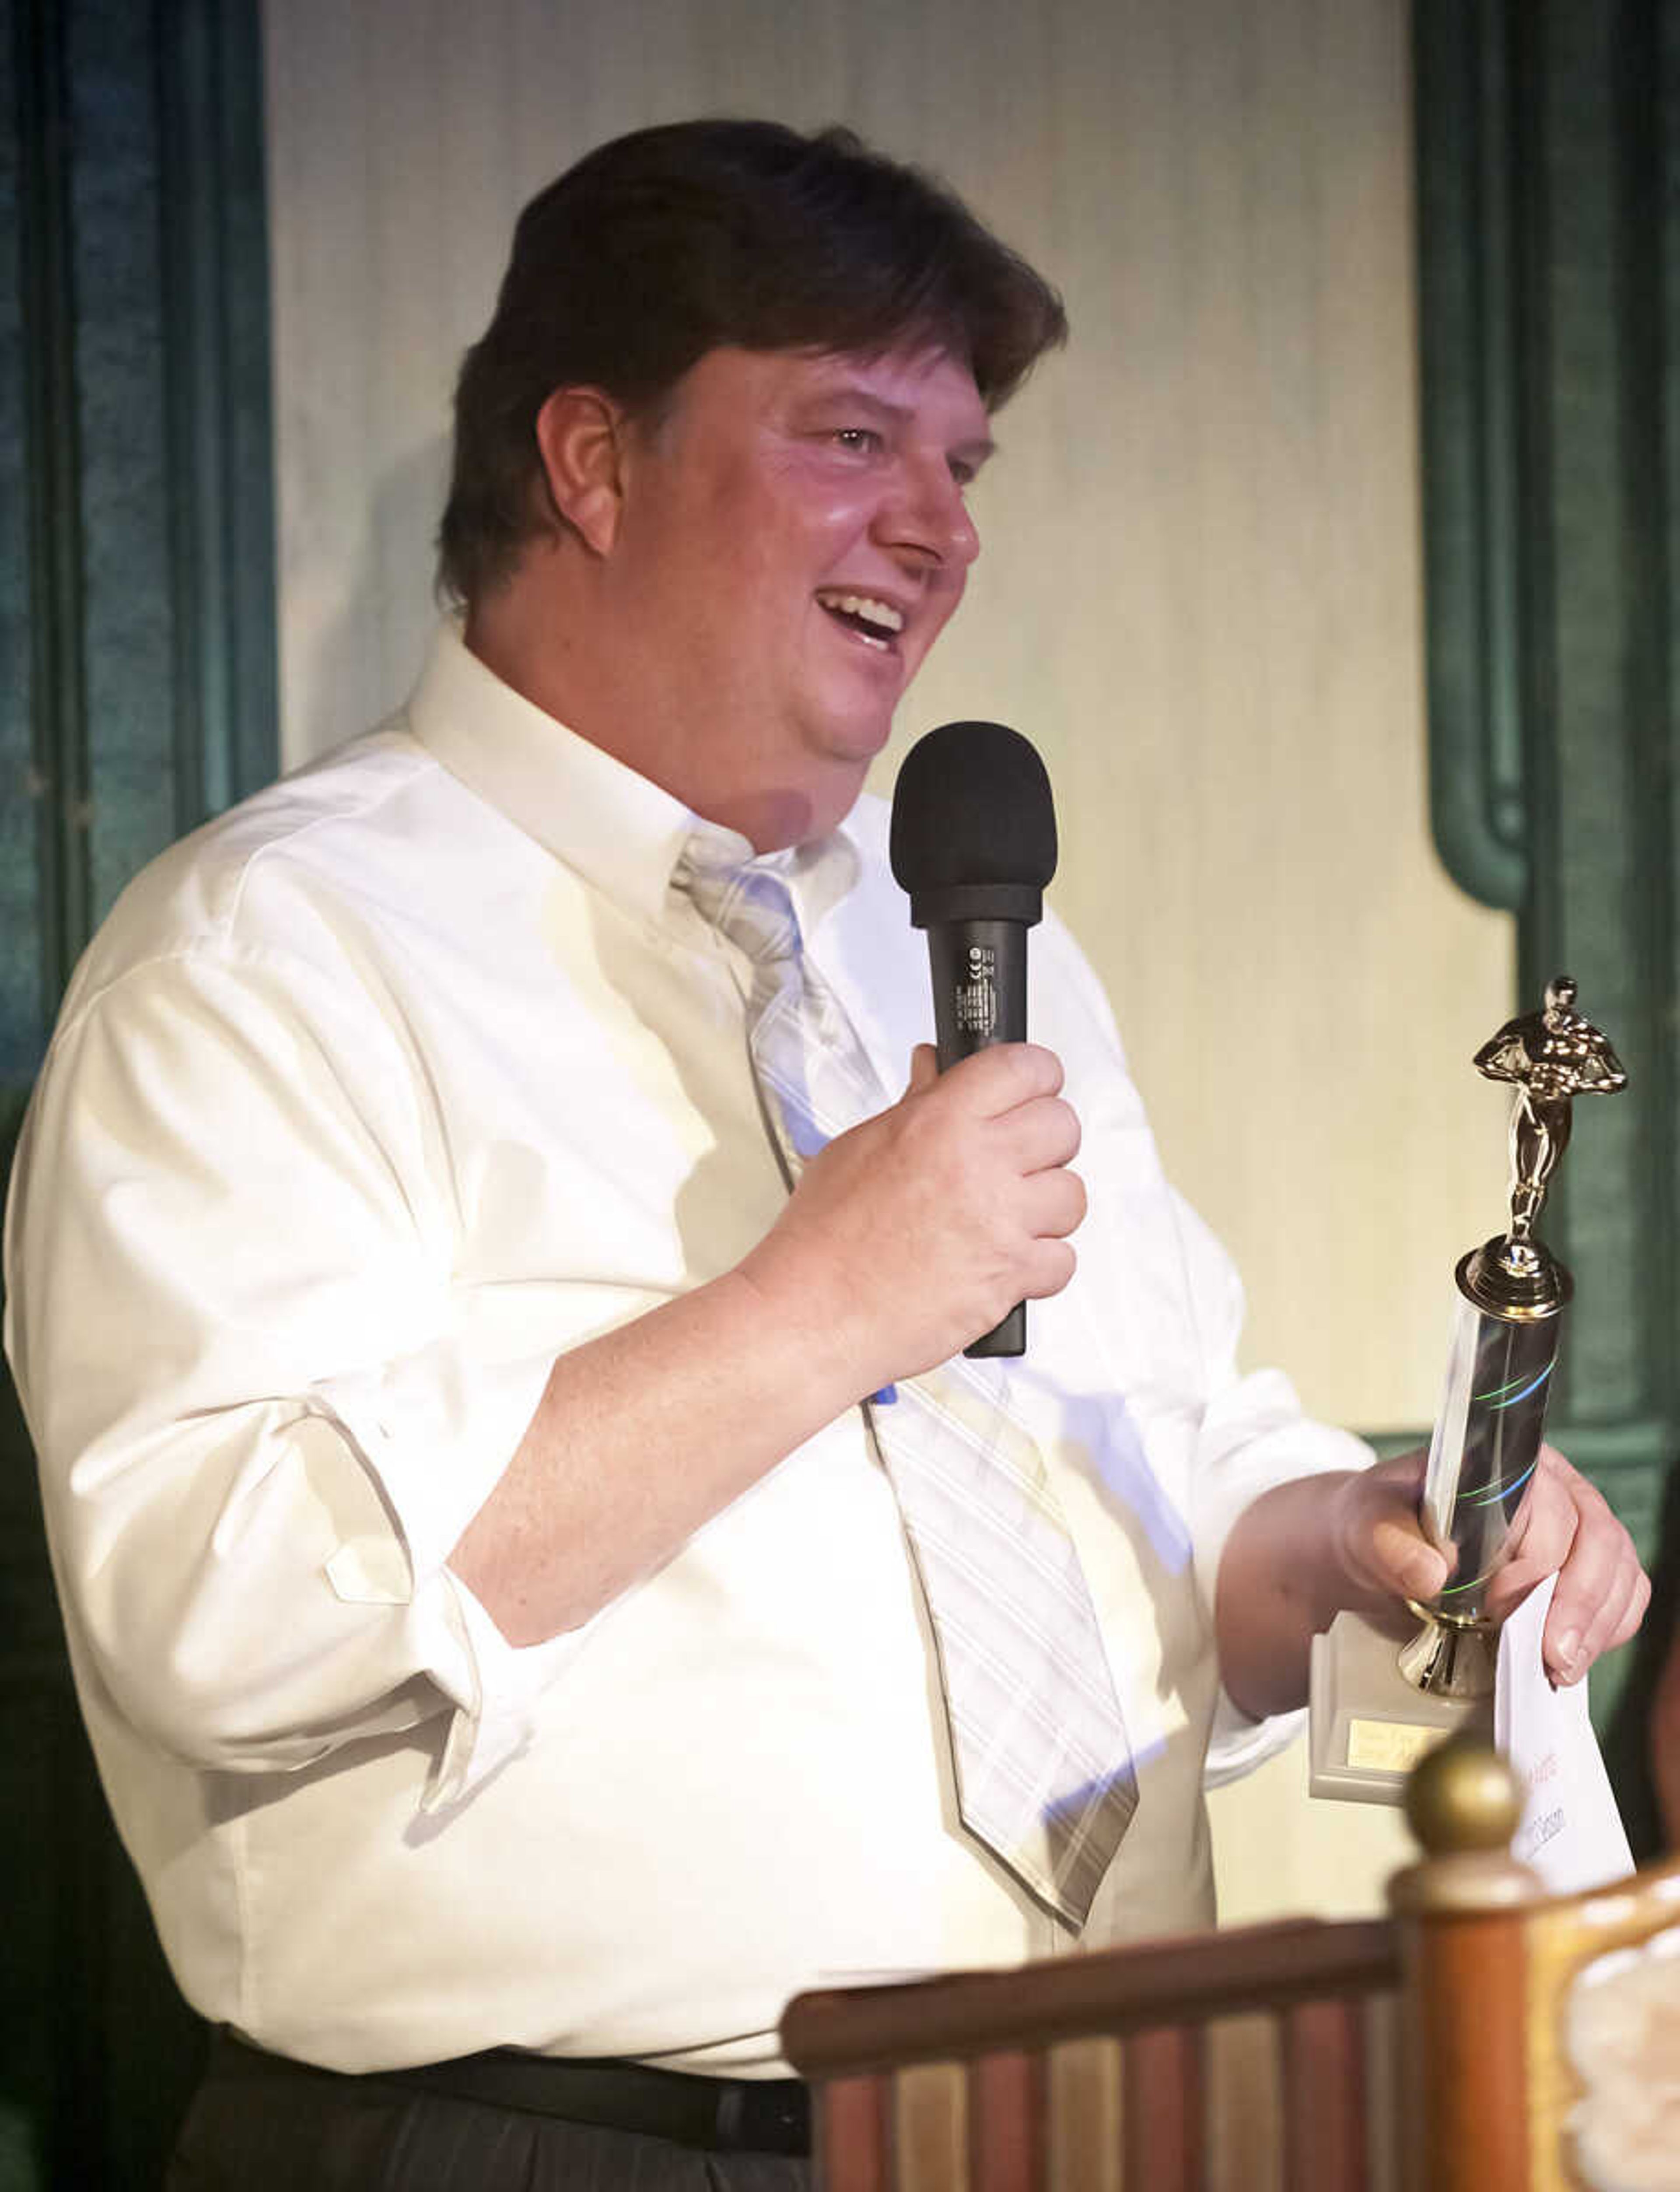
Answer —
1375 1711
1482 1456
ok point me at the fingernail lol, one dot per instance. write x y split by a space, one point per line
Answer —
1425 1576
1568 1661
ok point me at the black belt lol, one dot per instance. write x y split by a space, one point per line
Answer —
732 2115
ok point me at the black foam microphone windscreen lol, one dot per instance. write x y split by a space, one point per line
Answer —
973 826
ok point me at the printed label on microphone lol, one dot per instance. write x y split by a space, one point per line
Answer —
976 994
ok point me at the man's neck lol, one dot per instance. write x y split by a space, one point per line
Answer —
543 636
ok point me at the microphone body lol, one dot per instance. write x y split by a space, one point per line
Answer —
979 970
974 844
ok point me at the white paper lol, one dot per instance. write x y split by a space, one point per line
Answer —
1571 1834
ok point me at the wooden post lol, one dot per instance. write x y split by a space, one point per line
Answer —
1461 1951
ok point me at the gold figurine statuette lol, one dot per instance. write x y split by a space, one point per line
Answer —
1554 1056
1513 1293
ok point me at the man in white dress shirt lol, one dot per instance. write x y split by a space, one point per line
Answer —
493 1622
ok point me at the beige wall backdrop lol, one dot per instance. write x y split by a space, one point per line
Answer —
1199 593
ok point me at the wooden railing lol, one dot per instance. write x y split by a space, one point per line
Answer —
1261 2058
1484 2038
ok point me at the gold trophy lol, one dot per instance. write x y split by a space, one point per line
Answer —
1376 1709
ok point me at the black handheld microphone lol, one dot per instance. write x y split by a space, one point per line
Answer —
974 844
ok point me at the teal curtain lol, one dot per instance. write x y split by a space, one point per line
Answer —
136 694
1548 172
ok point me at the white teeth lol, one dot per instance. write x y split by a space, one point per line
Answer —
867 607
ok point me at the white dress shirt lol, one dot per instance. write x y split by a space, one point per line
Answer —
371 1097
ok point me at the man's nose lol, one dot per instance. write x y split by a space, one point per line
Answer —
929 514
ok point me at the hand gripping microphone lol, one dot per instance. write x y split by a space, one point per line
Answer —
974 844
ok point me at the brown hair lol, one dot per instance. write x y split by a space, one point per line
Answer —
664 244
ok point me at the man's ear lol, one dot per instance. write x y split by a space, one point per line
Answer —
579 438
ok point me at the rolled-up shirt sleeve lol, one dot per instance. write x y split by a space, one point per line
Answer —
264 1411
1254 1435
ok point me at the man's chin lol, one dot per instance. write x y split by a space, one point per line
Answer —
852 740
777 815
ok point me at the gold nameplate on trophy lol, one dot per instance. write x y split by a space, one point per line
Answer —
1388 1746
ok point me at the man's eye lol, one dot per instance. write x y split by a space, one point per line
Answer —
862 441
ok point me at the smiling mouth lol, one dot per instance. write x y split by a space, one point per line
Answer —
876 623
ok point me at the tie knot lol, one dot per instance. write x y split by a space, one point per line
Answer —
751 905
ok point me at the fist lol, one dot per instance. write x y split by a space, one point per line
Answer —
1566 1529
919 1230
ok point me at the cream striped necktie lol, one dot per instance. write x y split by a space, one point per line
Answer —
1044 1769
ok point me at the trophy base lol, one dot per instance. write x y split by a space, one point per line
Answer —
1451 1657
1369 1725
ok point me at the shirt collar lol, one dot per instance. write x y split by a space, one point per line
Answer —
617 830
817 876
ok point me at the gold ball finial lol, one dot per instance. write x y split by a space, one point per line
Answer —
1463 1798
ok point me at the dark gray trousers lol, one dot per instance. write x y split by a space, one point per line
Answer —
328 2135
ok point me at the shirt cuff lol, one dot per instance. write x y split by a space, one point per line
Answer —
436 1431
1253 1440
436 1434
491 1724
1237 1745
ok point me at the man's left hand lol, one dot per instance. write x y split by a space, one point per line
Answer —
1566 1529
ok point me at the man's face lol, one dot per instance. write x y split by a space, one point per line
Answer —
794 537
